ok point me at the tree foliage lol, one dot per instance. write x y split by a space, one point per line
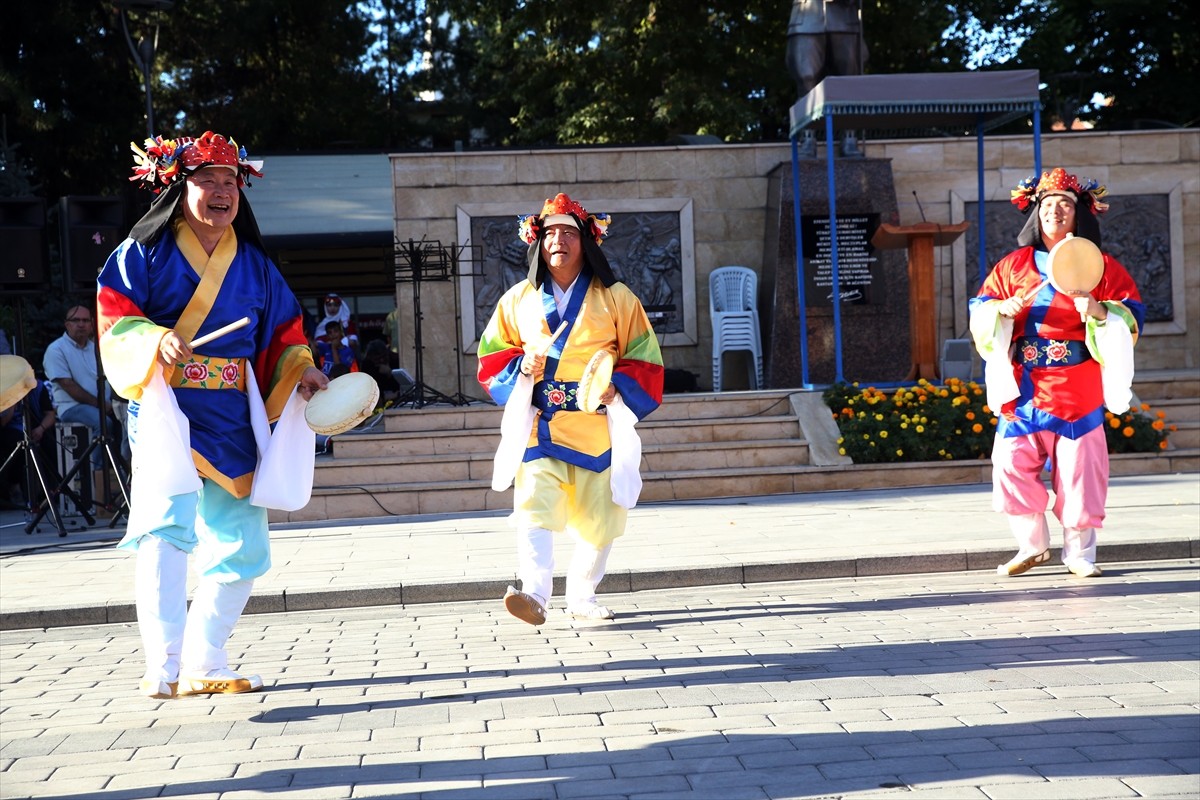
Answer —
626 71
1142 58
279 76
335 74
69 95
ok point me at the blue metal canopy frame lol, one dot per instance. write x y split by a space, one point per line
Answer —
954 100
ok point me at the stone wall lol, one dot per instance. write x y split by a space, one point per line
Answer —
727 186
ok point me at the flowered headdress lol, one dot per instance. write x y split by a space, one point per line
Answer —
1030 191
562 210
530 227
164 162
163 166
1086 194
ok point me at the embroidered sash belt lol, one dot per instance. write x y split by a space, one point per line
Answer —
1034 351
553 396
210 372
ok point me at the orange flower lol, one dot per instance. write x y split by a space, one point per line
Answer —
1145 406
1162 445
970 415
1158 425
977 428
1114 423
1127 432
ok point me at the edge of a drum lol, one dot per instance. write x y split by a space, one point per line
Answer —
355 414
596 377
18 378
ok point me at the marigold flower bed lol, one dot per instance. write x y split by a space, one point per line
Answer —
952 422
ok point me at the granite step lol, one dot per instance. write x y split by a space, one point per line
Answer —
443 497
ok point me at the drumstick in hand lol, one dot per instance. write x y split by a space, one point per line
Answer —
1033 294
545 348
219 332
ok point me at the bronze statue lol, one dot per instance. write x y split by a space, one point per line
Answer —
825 38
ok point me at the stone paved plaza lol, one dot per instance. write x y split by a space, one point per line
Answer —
952 685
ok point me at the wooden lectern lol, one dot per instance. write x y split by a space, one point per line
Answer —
920 239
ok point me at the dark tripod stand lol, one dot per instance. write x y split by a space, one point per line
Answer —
101 440
416 263
33 466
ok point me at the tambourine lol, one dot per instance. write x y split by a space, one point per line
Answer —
16 380
597 375
344 403
1075 265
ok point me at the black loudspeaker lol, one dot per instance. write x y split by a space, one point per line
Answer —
23 245
91 228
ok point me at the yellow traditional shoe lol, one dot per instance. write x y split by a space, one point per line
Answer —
524 607
1022 563
218 681
1084 569
158 690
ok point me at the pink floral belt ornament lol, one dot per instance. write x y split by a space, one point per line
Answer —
210 372
1034 351
552 396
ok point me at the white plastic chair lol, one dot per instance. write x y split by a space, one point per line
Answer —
732 304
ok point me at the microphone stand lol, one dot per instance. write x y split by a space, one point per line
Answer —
33 466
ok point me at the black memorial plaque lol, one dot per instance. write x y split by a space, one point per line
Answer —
856 259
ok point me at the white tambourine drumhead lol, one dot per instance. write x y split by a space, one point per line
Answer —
1075 265
344 403
594 381
16 380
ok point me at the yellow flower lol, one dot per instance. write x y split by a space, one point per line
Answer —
920 429
883 434
903 426
899 452
841 451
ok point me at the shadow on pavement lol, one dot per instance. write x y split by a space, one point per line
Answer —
732 766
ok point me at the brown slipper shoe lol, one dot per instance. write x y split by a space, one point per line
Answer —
524 607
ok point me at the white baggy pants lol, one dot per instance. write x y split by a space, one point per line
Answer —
174 638
535 567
